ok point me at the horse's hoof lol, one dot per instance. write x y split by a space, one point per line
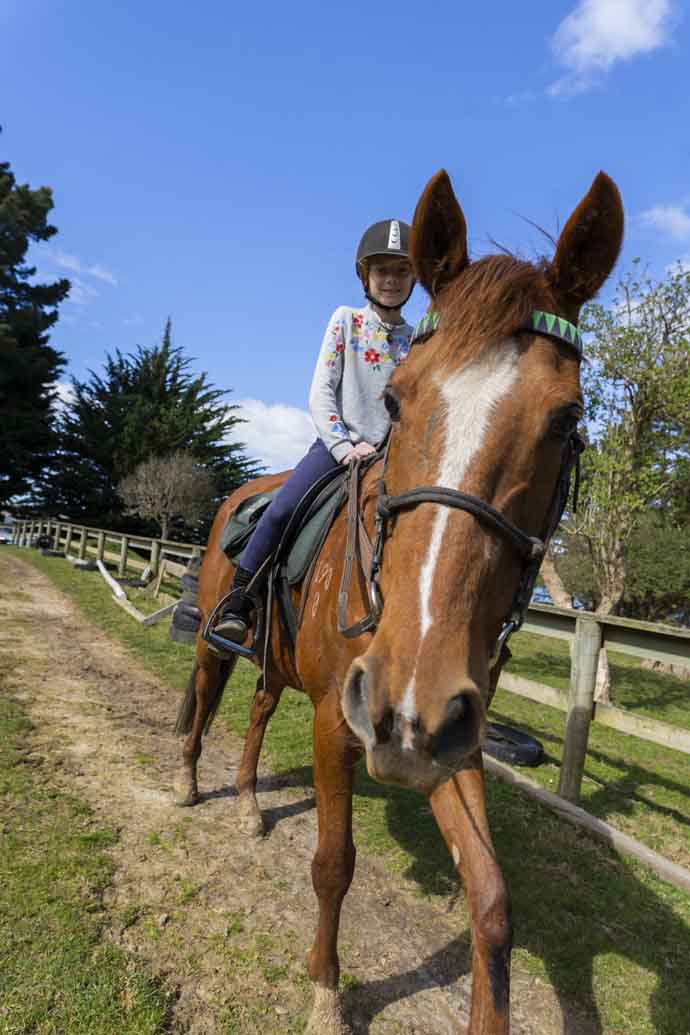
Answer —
250 819
326 1015
185 799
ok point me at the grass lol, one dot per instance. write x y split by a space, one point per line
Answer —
609 935
547 660
57 974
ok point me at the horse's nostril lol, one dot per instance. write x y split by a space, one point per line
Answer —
384 727
460 727
457 706
358 687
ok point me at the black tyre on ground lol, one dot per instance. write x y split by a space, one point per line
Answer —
513 746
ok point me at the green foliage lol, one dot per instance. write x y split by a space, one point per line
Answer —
29 366
145 404
637 392
657 586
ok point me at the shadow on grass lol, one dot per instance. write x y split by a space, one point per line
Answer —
364 1001
573 903
578 908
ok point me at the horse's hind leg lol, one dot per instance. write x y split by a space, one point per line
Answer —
335 754
459 806
264 704
199 705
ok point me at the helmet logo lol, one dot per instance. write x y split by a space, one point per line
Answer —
394 235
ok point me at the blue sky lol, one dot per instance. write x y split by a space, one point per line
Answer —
218 162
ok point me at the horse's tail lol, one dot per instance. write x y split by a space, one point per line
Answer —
185 716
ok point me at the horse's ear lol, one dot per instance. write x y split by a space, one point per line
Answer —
589 245
438 242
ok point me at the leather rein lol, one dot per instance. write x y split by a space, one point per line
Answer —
530 548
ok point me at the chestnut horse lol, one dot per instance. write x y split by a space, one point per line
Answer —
483 410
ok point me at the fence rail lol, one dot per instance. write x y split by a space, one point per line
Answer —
586 632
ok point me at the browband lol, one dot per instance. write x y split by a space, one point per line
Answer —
539 323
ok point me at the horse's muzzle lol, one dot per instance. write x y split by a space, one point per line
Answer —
420 751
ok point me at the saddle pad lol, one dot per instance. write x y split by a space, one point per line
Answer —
239 528
307 540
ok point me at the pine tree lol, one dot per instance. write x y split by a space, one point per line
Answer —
145 404
29 366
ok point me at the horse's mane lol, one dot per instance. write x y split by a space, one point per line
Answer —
488 302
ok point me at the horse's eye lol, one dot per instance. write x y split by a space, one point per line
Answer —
391 400
563 424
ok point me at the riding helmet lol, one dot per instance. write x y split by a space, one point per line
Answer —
389 237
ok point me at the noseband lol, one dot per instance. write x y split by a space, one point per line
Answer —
530 548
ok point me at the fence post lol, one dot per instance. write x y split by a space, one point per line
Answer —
122 567
155 556
100 546
82 544
68 540
583 674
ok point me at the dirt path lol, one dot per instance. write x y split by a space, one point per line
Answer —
224 922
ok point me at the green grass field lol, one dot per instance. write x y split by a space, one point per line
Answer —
609 936
57 974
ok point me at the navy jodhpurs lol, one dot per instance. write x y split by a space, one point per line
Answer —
272 522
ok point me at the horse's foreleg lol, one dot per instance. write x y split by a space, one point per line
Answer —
335 754
459 806
264 704
202 697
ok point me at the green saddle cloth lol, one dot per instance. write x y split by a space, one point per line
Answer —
308 536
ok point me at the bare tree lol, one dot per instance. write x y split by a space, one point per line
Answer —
553 582
167 487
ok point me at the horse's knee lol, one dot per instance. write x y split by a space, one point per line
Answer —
332 870
263 705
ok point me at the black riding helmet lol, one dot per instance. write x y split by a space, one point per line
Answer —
389 237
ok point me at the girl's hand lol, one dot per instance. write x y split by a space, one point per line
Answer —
362 449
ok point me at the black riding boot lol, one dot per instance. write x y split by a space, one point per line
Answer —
233 622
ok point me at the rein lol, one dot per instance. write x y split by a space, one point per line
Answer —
531 548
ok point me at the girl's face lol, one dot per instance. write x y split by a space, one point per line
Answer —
390 279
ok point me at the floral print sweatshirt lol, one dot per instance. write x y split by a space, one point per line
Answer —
358 355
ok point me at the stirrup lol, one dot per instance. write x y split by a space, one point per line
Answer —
221 645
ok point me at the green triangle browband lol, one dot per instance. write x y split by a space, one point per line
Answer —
555 327
539 322
425 328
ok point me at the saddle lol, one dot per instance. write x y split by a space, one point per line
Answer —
298 552
305 536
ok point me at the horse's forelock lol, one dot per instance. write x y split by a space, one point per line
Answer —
491 300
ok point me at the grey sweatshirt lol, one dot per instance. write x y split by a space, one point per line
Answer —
358 355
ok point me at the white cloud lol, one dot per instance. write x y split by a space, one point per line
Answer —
80 292
75 265
599 33
671 219
277 435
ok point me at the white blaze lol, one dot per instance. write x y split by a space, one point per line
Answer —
469 397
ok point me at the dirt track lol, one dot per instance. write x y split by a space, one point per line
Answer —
223 921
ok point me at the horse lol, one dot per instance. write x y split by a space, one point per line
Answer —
483 414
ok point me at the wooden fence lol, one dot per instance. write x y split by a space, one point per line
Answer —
586 632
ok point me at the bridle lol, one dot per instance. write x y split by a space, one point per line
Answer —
530 548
